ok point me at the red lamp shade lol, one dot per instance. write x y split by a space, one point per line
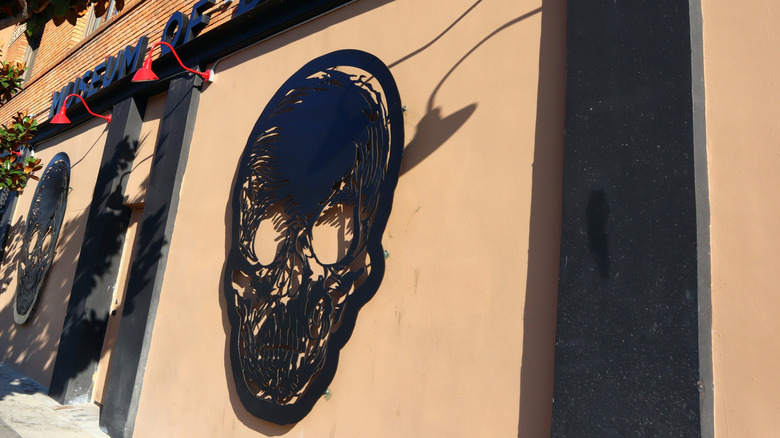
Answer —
145 73
60 118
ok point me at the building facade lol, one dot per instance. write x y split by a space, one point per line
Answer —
572 242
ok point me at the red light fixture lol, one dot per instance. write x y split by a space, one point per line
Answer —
145 73
62 119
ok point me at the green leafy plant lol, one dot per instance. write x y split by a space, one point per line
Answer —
10 80
15 137
15 170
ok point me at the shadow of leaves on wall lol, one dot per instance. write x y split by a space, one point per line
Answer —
36 342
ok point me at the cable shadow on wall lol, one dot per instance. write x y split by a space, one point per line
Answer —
433 130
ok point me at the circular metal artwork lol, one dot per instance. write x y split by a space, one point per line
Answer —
4 195
315 184
44 221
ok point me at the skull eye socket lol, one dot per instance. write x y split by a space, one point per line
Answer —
33 237
270 234
30 259
332 233
46 245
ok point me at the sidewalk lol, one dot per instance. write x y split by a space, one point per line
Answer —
27 412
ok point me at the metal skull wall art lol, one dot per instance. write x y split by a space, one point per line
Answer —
310 202
42 230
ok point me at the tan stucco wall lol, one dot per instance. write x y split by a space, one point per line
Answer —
743 147
32 348
138 179
459 339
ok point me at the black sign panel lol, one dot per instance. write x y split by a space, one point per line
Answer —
315 185
627 347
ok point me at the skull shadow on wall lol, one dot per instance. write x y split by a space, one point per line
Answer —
310 202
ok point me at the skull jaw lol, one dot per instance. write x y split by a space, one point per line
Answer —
269 408
276 381
272 402
282 352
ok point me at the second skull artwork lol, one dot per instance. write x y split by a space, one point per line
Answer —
312 196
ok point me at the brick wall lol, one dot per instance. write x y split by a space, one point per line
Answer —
17 46
65 53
